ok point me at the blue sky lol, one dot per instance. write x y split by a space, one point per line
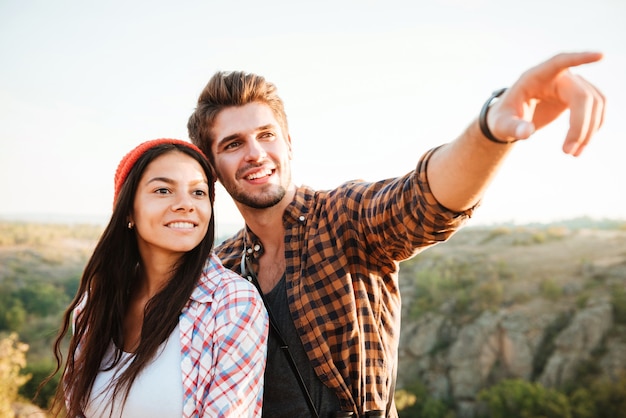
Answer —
368 86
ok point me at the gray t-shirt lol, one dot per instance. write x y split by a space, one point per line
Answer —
282 395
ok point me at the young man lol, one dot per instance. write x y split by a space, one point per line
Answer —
327 261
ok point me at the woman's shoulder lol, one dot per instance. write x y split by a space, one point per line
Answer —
218 282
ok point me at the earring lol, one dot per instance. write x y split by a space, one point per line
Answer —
130 225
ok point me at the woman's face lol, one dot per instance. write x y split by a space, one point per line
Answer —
172 208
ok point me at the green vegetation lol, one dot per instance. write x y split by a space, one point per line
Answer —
40 267
550 290
465 287
415 401
521 399
39 371
619 304
515 398
477 270
526 236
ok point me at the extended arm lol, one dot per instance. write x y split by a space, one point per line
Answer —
460 172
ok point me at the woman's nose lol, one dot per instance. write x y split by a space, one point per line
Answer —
184 202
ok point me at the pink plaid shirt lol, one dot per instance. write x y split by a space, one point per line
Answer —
223 334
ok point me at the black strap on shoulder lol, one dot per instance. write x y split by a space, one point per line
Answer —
251 276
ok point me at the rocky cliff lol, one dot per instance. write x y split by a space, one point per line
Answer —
546 305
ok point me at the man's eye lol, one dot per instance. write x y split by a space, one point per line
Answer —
231 145
267 135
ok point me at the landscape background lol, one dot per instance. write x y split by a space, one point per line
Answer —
500 321
368 86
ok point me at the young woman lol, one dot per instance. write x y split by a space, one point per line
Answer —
160 327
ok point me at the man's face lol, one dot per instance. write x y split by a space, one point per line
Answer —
252 156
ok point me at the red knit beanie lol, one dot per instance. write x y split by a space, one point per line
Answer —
129 160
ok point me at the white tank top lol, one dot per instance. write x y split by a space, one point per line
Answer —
157 391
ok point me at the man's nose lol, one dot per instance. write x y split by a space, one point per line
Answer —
255 151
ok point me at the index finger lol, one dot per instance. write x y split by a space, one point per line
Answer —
560 62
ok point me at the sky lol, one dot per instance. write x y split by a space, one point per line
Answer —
368 86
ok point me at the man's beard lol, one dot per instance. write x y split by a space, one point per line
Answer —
264 201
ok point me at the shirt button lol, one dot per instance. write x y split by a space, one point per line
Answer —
301 218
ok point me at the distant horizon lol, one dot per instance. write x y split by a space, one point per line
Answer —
93 219
59 218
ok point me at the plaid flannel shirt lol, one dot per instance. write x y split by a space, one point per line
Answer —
223 335
342 251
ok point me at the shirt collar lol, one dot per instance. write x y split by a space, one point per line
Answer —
209 280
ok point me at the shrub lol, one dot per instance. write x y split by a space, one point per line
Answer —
582 404
12 361
489 295
522 399
550 290
609 398
415 401
39 371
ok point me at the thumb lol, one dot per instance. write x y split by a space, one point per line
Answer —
523 129
513 128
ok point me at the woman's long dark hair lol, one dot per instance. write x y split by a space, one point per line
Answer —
109 276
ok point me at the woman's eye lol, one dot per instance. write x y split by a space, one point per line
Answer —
162 190
200 193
